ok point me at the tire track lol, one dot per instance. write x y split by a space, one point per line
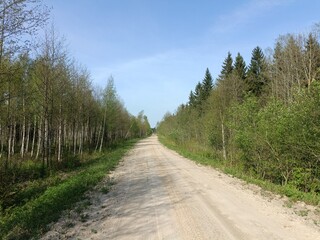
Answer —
160 195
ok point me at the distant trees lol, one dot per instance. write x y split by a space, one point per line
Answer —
262 119
49 111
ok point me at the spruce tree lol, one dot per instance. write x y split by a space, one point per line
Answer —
197 94
202 92
240 68
227 67
191 99
207 85
257 80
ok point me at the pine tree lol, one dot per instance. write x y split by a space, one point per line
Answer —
257 80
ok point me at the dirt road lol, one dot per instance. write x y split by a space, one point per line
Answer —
160 195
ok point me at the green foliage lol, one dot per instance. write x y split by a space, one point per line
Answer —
279 142
207 85
257 79
262 124
202 91
236 170
240 67
227 67
50 112
31 218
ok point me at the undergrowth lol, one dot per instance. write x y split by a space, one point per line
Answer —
43 200
237 171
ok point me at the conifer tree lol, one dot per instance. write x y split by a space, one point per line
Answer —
197 94
207 85
191 99
202 91
227 67
240 68
257 80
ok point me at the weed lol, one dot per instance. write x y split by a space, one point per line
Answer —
84 217
31 217
288 204
105 189
302 213
266 194
69 224
82 206
200 156
317 211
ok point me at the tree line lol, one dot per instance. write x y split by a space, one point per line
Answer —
262 118
49 110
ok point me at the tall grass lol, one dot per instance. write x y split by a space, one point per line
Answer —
204 158
31 218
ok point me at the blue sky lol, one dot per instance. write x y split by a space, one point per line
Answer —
157 50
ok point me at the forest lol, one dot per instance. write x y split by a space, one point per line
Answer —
260 119
49 109
52 119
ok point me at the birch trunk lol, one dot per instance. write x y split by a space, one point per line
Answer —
98 137
39 140
23 136
103 130
14 137
102 137
59 141
27 138
34 135
75 140
224 152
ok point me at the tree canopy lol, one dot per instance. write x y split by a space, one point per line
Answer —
261 120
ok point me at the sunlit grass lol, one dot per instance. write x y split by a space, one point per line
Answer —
45 199
204 158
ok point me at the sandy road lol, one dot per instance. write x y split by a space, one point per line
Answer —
161 195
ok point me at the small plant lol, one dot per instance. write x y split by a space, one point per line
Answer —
265 193
288 204
84 217
82 206
94 231
317 211
69 224
302 213
105 189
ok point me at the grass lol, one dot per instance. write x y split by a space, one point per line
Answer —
29 218
205 159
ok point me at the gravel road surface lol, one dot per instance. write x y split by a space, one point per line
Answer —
157 194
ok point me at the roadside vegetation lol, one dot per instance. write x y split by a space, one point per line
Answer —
39 202
261 121
59 134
